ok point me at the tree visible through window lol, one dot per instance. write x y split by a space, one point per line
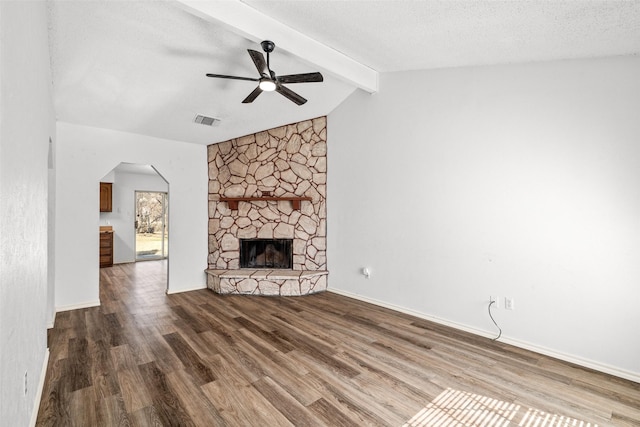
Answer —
152 237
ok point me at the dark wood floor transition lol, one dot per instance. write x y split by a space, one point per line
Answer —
199 359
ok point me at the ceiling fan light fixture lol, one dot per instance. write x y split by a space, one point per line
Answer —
267 85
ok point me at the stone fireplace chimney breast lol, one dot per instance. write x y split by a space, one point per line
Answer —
285 162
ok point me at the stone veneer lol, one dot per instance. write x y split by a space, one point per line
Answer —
285 161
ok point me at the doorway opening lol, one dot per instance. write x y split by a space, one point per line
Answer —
126 180
151 225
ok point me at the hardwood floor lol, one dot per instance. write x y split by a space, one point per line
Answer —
200 359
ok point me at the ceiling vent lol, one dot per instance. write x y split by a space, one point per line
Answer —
207 121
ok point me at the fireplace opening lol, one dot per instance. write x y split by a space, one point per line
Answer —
266 253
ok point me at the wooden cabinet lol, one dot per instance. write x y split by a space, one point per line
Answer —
106 248
105 196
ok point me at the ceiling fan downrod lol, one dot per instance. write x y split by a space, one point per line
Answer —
268 46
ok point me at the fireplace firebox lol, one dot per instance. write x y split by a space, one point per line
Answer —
266 253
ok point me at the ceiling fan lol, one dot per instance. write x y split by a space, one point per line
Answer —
268 80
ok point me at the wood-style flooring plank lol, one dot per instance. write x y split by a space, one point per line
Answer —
351 402
133 390
110 411
79 366
238 402
330 415
293 410
82 406
54 410
168 407
282 370
190 359
194 401
145 358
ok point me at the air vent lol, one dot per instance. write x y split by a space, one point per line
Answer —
207 121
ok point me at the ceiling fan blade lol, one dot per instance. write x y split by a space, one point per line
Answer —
289 94
252 96
301 78
258 60
222 76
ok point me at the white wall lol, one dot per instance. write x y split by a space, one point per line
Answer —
519 181
84 156
51 232
26 123
123 214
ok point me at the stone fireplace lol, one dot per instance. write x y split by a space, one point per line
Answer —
266 189
266 253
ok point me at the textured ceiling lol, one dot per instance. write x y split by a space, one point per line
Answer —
412 35
139 66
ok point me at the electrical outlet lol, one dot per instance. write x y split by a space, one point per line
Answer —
26 382
495 300
509 304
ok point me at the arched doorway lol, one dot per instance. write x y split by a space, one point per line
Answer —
135 191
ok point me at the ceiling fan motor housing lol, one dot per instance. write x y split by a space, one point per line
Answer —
268 46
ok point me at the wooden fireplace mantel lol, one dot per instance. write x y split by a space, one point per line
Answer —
233 201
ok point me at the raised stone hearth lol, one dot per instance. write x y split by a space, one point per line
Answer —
267 282
275 181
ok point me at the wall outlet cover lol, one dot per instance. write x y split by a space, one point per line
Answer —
509 304
495 300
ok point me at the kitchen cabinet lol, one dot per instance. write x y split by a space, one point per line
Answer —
106 247
105 196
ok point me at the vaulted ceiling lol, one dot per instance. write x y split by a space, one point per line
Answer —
139 66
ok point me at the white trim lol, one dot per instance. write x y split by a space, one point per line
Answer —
248 22
38 397
170 291
78 306
52 322
607 369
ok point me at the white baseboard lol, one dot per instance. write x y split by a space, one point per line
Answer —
607 369
51 323
78 306
177 291
38 397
